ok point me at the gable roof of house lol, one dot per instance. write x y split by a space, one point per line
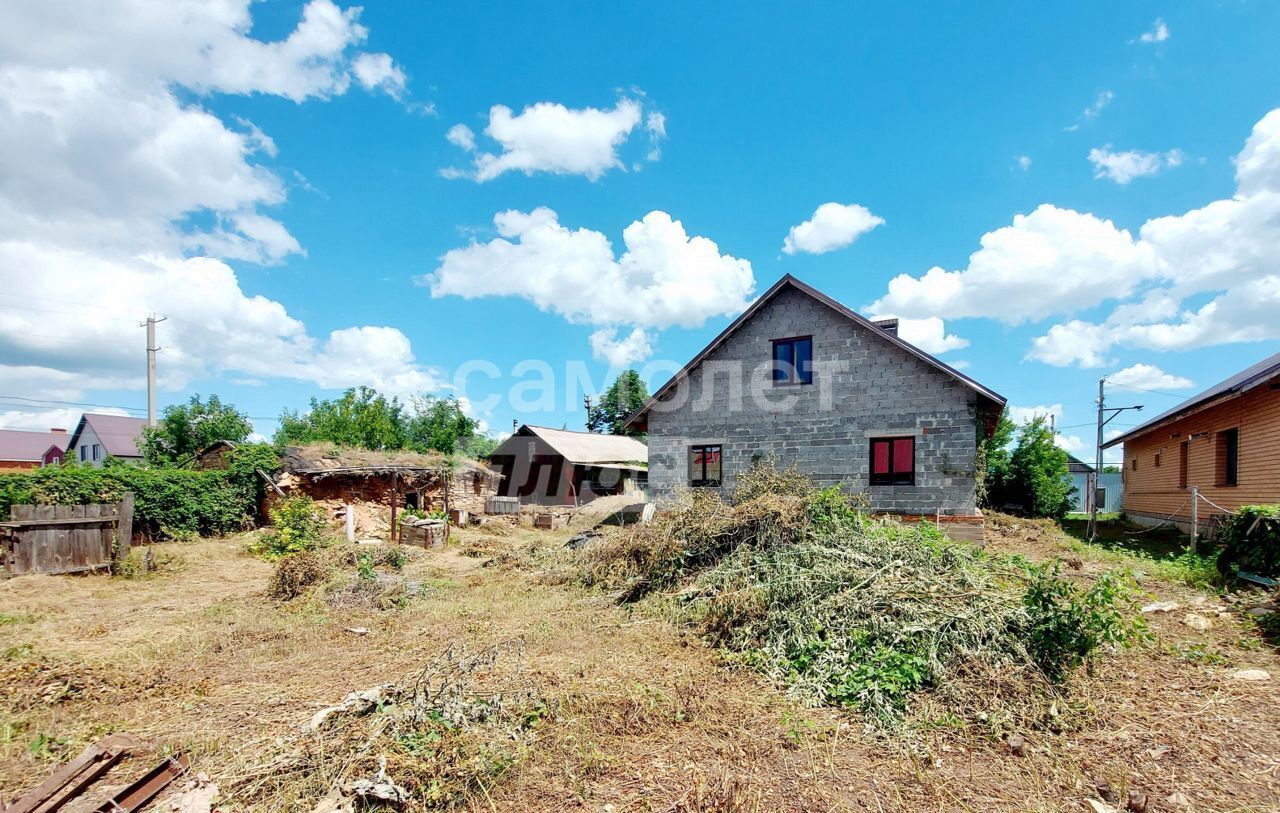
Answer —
1077 466
1236 385
25 446
119 433
778 287
590 448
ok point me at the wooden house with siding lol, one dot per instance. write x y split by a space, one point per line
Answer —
1224 442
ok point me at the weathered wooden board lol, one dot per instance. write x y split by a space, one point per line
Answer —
64 538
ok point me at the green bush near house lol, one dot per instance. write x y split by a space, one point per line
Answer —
1250 542
169 503
297 527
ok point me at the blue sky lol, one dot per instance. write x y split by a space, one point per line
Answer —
310 177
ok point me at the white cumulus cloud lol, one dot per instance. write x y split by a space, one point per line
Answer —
929 334
109 157
620 353
1159 32
1148 377
1050 261
550 137
663 278
832 226
1123 167
1225 249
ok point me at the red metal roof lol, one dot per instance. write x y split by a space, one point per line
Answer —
17 445
119 433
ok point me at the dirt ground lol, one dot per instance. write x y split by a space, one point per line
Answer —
647 718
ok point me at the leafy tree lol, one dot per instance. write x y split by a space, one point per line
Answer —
439 424
625 395
185 429
361 417
1110 469
994 463
1038 470
479 446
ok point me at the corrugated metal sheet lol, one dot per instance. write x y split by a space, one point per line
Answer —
588 448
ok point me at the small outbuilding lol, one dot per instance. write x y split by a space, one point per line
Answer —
377 484
543 466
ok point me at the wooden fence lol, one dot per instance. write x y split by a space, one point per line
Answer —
65 538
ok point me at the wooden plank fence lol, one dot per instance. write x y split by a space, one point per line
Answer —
65 538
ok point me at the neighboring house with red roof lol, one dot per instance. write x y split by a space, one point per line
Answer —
98 437
30 450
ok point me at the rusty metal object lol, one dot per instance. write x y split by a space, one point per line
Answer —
147 787
71 779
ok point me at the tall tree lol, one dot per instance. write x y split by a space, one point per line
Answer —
361 417
994 456
185 429
625 395
439 424
1038 469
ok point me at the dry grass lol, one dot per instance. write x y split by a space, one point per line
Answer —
646 718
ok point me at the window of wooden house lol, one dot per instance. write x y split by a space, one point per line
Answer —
1133 464
793 361
893 461
1157 460
704 466
97 451
1228 457
1183 452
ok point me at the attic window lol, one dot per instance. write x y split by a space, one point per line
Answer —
793 361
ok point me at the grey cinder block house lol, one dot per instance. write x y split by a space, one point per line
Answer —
804 379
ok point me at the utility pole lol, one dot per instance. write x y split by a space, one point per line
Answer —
1103 419
152 349
586 400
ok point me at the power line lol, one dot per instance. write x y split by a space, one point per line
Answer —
70 403
1140 389
51 404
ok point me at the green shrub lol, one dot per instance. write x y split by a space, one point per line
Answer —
168 502
1257 552
297 527
1066 624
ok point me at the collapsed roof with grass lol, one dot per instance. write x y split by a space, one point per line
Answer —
406 479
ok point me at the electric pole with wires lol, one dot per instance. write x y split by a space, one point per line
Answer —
152 349
1103 419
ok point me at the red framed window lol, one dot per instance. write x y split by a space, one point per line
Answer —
704 466
893 461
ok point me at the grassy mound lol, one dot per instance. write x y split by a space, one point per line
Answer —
848 610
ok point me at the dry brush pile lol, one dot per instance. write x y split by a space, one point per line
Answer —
845 609
440 736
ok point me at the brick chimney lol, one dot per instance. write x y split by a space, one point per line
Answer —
887 325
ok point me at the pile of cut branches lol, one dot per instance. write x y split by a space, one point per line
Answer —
849 610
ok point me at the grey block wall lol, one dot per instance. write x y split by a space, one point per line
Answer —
863 387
